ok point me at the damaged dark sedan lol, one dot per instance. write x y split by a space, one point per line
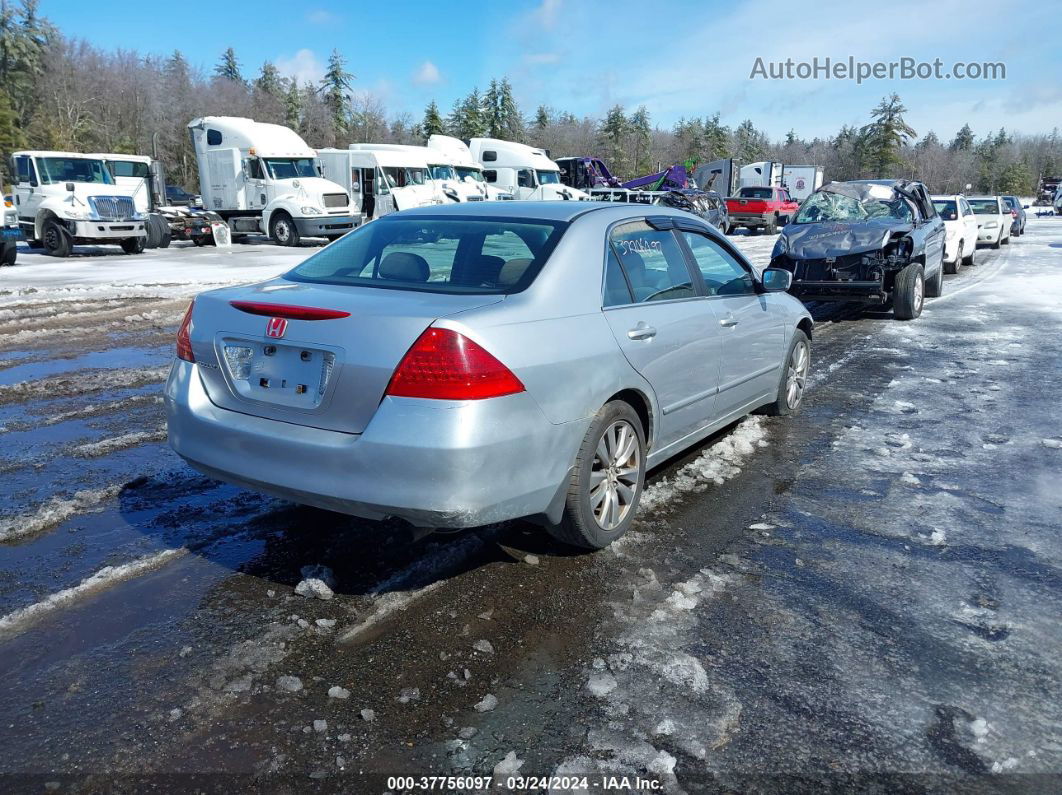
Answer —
876 241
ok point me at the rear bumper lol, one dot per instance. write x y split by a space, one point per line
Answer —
433 463
749 220
324 225
106 230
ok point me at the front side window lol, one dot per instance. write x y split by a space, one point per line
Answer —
383 187
723 275
73 169
490 175
24 168
254 168
129 168
290 167
469 173
525 178
441 255
440 172
653 263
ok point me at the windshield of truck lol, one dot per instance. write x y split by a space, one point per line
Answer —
436 254
548 177
442 172
290 167
129 168
826 206
984 206
946 209
474 173
73 169
755 193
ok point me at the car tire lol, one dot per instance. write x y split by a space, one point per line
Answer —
772 226
1004 241
794 378
908 293
56 239
283 230
999 241
615 430
953 267
970 258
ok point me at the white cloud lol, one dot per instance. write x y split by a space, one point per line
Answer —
320 16
427 74
303 66
547 13
537 58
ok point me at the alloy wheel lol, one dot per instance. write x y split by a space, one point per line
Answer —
797 375
615 474
919 293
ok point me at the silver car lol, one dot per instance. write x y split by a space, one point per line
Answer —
460 365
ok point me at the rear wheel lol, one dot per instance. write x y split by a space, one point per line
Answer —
908 294
969 261
794 378
56 239
606 485
935 284
283 231
953 267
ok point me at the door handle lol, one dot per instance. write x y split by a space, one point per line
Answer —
642 332
729 322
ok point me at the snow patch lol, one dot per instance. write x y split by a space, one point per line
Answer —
55 511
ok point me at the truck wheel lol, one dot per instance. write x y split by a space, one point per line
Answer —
35 243
794 377
55 238
908 294
953 266
10 253
151 229
607 482
167 236
283 231
133 245
199 241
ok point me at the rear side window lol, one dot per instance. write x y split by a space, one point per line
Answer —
439 255
653 263
617 291
723 275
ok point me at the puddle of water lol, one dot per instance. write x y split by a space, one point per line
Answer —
111 358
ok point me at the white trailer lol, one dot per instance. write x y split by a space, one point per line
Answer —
264 178
522 170
67 198
470 180
801 181
764 174
379 181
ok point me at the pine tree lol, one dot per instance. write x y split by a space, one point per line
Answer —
542 117
611 136
269 81
716 138
884 137
511 121
642 141
11 138
432 123
492 110
750 145
293 105
336 87
964 140
228 67
468 119
791 138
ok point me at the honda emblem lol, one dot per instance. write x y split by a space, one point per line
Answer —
276 327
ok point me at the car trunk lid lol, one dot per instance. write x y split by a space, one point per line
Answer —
327 369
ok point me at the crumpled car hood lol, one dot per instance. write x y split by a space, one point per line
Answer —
837 239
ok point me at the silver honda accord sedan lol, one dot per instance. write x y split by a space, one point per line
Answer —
462 365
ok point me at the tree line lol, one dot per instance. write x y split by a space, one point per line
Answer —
63 93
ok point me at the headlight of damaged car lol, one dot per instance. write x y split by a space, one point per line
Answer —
781 246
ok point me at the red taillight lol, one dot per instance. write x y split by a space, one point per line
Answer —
445 365
184 336
287 311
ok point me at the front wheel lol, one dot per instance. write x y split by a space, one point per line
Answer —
56 239
134 245
908 294
794 378
283 230
953 266
607 482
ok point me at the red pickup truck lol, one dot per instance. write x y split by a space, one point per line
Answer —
761 208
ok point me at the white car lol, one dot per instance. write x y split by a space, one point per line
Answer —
993 220
960 225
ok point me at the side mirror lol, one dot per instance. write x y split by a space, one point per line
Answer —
776 280
70 186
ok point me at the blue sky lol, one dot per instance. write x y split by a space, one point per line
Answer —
677 57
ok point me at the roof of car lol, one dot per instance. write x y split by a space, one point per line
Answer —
537 210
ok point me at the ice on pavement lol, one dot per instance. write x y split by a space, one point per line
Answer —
487 703
483 646
509 766
56 511
123 442
313 587
601 684
102 579
338 692
291 684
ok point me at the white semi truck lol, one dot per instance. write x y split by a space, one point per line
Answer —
471 184
801 181
65 198
380 181
522 170
264 178
763 174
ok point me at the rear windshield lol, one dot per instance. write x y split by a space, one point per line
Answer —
985 206
755 193
435 254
